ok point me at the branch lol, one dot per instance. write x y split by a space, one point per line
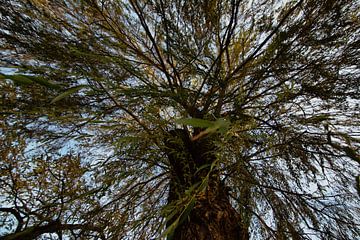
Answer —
248 59
140 13
16 215
52 227
224 45
122 107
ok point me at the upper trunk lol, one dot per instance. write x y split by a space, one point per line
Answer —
212 216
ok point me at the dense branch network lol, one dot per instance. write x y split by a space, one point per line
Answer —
107 120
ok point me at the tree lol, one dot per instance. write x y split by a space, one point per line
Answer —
180 119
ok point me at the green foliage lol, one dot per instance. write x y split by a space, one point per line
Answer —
264 97
196 122
220 125
68 92
183 215
19 79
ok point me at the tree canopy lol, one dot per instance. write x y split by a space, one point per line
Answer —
137 119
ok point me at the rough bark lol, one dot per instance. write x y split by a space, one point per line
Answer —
213 216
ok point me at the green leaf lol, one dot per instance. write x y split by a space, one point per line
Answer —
195 122
27 80
192 188
203 167
19 79
68 92
44 82
204 183
187 210
170 230
184 214
222 125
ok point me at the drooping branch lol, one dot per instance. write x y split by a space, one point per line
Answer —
52 227
266 40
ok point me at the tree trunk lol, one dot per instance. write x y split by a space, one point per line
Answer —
212 216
